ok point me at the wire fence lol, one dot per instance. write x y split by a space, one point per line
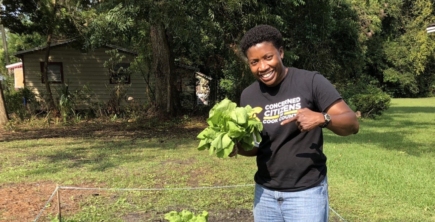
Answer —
58 188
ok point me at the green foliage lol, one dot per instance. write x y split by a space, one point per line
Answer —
66 102
401 51
236 75
365 96
186 216
119 90
21 102
43 16
229 125
344 40
20 42
371 103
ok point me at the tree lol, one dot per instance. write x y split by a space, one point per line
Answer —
195 33
399 53
3 112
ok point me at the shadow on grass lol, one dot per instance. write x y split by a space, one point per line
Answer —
408 109
101 156
75 147
143 129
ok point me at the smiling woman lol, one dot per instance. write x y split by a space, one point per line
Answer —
291 181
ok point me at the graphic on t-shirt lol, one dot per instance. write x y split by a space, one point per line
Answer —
277 112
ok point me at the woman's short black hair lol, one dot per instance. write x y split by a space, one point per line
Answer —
261 33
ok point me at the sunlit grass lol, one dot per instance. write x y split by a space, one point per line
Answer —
385 173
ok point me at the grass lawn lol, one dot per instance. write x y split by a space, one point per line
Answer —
384 173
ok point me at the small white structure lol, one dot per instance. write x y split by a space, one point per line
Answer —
430 28
16 69
202 88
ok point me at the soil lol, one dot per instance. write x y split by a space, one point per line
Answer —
22 202
26 201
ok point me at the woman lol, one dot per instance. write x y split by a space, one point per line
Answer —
291 182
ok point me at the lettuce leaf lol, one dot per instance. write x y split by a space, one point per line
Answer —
228 125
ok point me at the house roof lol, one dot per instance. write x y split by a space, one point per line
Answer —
14 65
203 75
40 48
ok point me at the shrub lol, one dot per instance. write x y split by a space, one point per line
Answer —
20 102
66 102
371 104
365 97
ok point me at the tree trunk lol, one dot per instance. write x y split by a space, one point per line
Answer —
50 102
148 90
4 117
5 44
3 112
161 67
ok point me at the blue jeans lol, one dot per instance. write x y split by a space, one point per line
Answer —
309 205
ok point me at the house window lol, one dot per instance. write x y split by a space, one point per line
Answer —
54 73
120 74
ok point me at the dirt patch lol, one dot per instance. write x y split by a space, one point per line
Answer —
241 215
25 202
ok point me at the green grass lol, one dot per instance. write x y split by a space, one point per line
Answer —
161 162
384 173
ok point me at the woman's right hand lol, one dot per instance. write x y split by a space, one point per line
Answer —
239 150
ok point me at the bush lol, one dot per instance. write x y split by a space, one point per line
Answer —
371 104
20 102
365 97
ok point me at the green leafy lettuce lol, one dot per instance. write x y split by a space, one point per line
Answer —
186 216
229 125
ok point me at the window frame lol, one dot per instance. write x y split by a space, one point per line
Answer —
60 64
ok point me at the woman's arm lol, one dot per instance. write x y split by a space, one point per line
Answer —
343 119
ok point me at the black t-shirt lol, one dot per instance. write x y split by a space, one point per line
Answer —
287 159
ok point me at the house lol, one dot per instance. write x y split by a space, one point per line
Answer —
69 66
16 69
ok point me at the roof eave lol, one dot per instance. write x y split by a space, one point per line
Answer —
40 48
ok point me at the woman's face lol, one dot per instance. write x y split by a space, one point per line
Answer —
265 62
